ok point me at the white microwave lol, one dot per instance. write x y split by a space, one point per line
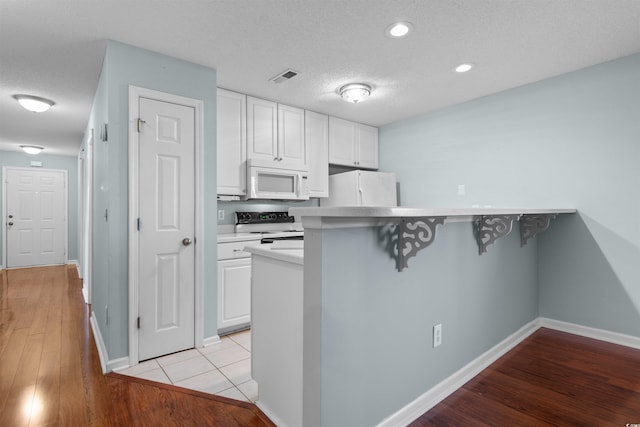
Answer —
283 184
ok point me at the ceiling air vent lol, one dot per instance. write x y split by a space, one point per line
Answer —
284 76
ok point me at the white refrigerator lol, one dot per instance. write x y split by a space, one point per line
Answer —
362 188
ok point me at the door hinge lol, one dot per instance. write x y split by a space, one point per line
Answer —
138 224
105 134
140 123
106 215
138 322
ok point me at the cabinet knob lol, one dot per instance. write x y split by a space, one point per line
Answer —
186 241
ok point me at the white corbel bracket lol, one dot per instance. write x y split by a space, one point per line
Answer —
489 228
414 235
530 225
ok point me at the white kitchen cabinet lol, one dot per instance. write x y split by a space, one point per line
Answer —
232 143
234 285
353 144
317 141
367 146
275 135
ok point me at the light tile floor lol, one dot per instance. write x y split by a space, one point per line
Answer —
223 369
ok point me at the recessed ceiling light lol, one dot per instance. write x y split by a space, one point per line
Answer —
31 149
355 92
34 103
463 68
399 29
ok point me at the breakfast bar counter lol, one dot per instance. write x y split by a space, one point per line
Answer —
352 322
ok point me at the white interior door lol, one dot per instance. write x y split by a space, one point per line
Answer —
167 228
36 210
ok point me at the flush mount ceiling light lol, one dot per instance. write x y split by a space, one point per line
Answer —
31 149
399 29
355 92
463 68
34 103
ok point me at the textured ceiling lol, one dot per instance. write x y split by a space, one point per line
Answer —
54 49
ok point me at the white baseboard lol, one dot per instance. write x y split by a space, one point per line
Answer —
211 341
77 264
102 349
586 331
85 295
118 364
439 392
106 364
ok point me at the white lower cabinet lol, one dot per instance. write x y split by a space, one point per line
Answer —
234 286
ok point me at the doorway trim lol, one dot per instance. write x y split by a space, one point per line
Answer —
134 94
85 214
5 170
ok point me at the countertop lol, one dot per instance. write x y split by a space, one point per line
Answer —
403 212
366 216
295 256
243 237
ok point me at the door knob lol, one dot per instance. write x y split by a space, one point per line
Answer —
11 223
186 241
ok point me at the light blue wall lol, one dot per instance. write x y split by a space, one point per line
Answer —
377 353
123 66
566 141
68 163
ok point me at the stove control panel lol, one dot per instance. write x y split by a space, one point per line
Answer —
263 218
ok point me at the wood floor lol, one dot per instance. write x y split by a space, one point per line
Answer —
50 371
50 375
552 378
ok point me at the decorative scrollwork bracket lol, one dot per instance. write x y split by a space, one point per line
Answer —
530 225
414 235
489 228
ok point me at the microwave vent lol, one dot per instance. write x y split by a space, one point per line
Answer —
284 76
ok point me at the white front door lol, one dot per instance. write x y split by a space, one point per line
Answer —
35 212
167 228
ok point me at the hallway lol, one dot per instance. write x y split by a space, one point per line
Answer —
50 371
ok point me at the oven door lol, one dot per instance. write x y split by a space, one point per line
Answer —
269 183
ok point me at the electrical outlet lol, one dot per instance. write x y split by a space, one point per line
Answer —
437 335
462 190
220 214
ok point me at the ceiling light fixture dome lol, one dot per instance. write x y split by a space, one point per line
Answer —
34 103
399 29
355 92
463 68
31 149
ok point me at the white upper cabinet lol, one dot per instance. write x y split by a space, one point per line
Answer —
367 146
275 135
232 143
352 144
317 140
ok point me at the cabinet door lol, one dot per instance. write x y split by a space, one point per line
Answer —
262 130
234 292
317 139
232 142
342 142
367 154
291 153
